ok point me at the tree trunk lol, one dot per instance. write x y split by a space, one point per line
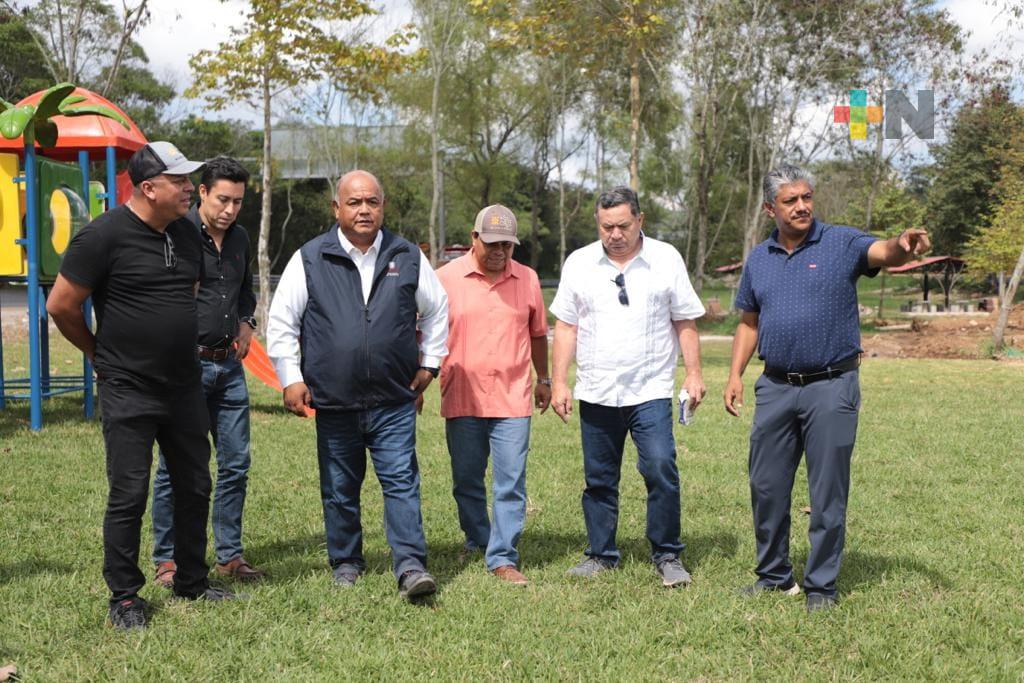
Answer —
634 119
132 17
559 159
598 149
1006 304
435 166
539 181
263 243
702 232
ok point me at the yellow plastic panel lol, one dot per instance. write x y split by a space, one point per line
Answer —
12 255
60 214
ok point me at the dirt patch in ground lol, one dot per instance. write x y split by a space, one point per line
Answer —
943 336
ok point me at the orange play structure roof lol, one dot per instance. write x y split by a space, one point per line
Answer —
85 133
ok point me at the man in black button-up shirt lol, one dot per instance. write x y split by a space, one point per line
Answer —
225 305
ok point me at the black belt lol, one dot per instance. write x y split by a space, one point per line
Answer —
211 353
802 378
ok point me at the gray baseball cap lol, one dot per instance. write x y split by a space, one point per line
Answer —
157 158
496 223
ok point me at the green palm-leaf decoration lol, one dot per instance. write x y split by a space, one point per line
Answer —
33 123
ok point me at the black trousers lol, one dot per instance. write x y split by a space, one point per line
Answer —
133 419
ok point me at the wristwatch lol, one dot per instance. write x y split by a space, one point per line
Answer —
432 371
248 320
546 381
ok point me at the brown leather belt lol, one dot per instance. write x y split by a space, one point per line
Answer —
802 378
210 353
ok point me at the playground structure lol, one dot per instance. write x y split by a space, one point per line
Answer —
44 201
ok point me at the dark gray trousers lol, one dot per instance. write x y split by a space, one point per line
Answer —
819 419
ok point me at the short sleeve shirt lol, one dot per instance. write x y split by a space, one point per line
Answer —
490 326
625 354
807 301
144 296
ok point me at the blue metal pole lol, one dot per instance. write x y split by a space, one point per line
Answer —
111 178
32 247
3 386
87 389
44 345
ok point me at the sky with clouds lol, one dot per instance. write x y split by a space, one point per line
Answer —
179 29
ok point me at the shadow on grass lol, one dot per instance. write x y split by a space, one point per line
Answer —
539 549
698 548
56 411
26 568
862 569
294 557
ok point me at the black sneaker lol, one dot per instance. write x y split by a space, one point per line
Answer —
816 602
128 614
416 584
215 594
791 588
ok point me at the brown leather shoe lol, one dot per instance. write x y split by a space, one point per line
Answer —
511 574
240 570
165 572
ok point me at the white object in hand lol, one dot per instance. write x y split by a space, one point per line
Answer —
685 411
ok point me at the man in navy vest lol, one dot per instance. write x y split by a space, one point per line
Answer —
342 335
798 303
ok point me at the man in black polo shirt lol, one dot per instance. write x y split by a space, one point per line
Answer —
225 306
798 297
141 263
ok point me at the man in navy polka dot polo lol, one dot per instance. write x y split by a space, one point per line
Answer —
798 303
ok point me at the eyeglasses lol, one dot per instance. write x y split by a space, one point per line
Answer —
620 281
170 258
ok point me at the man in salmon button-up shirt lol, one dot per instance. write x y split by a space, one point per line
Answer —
497 326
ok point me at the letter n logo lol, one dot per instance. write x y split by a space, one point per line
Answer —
921 118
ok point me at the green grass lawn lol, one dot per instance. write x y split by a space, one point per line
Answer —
930 586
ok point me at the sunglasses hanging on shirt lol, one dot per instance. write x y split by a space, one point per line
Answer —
620 281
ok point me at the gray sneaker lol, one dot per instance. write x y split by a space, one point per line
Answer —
673 573
346 574
590 567
416 584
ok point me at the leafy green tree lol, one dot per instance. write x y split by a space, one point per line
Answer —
961 199
1006 226
999 246
22 70
83 41
892 209
284 44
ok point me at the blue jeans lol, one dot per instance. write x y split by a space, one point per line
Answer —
342 438
507 440
227 401
603 430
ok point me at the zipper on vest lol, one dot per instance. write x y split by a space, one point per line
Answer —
366 347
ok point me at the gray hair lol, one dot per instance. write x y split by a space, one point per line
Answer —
617 196
784 174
